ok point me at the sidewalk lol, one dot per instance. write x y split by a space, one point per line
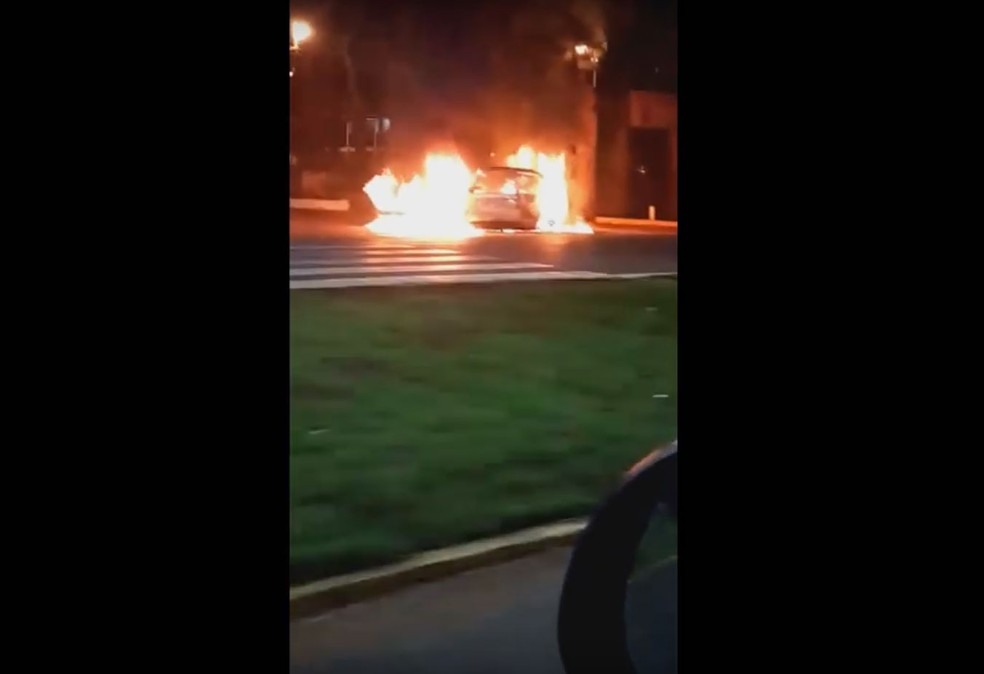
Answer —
320 204
605 222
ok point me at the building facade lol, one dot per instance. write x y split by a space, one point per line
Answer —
637 155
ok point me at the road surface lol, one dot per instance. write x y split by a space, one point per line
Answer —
490 621
502 619
329 253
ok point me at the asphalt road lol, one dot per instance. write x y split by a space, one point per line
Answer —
491 621
326 246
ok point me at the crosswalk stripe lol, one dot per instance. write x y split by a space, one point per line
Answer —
434 268
402 264
424 279
375 246
385 260
381 252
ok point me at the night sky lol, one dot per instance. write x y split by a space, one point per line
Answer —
450 57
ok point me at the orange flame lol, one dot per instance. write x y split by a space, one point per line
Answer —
552 197
433 205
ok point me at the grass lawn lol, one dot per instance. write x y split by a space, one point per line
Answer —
429 416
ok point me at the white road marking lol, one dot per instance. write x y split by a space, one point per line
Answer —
385 260
388 252
375 246
404 263
425 279
403 269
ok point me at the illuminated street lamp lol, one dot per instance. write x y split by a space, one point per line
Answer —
299 32
588 58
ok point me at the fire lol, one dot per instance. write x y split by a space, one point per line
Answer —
552 197
434 204
431 205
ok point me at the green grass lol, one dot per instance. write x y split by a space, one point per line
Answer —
423 417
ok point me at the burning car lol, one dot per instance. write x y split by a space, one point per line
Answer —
504 197
449 201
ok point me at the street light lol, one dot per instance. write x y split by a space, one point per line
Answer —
300 31
588 57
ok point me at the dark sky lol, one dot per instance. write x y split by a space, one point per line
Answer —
442 43
450 59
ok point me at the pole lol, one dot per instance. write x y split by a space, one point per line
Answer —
591 160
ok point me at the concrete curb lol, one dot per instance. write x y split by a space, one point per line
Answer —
320 204
323 595
636 222
645 274
344 205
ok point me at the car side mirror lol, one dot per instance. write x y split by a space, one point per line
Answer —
618 604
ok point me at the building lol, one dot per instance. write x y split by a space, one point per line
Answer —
637 155
636 165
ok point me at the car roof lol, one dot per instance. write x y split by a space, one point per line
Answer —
513 169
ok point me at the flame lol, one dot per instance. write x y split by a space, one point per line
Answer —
552 197
524 158
433 204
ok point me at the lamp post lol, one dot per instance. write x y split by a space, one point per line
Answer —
300 31
587 57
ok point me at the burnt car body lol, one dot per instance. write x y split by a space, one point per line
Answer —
504 197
